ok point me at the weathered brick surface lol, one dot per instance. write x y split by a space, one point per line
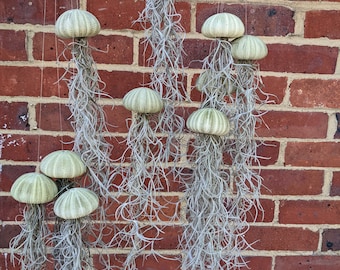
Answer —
13 45
328 28
314 262
282 238
292 182
300 59
32 12
309 212
315 93
123 14
335 188
318 154
26 81
331 240
14 115
293 125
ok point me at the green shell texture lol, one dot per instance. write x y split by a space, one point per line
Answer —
62 164
204 80
143 100
223 25
76 203
208 121
77 23
249 47
34 188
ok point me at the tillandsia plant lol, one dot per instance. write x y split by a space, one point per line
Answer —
89 119
71 248
29 247
209 240
142 209
217 216
164 36
246 50
218 77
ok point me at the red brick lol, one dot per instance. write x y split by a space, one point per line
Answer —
283 124
315 93
292 182
328 28
118 83
5 262
309 212
50 47
258 263
282 238
267 215
275 87
26 147
300 59
195 51
25 81
122 14
261 20
330 240
33 11
10 209
335 188
117 118
318 154
14 115
268 153
313 262
7 232
53 116
12 46
9 173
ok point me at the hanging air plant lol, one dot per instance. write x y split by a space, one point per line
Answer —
214 237
219 63
165 36
209 240
35 190
89 121
141 209
246 50
71 249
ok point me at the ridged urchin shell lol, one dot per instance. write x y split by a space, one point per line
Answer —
34 188
223 25
208 121
248 47
76 203
143 100
62 164
204 82
77 23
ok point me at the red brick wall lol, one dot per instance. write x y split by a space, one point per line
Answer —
301 224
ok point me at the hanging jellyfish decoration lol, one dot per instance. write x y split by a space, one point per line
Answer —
89 119
142 179
71 250
29 247
88 115
220 196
